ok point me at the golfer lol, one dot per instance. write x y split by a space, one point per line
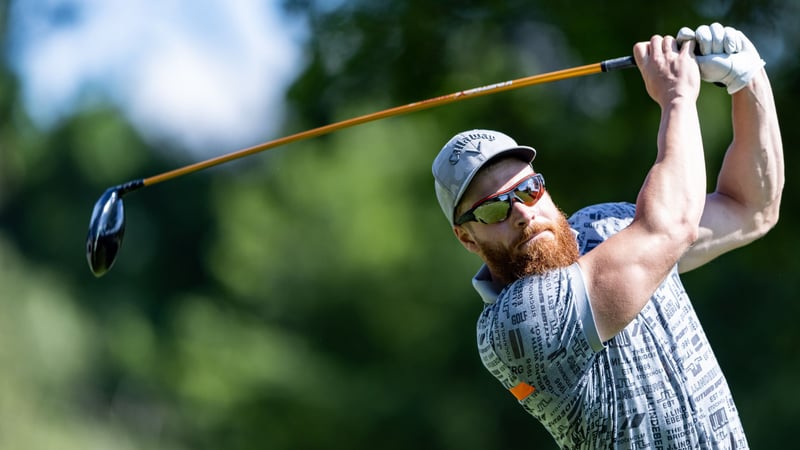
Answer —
585 320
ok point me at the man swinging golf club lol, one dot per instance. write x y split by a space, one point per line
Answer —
585 320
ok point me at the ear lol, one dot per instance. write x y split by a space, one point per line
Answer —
464 236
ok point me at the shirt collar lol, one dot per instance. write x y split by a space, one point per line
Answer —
487 288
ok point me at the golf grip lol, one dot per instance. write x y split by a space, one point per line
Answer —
603 66
625 62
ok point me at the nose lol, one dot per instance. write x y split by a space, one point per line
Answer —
522 214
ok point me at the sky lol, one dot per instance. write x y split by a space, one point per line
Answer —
207 75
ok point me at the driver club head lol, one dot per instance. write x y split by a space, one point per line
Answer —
106 229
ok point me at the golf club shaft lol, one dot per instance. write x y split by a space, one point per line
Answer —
604 66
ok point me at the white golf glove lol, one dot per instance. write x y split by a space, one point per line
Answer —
725 55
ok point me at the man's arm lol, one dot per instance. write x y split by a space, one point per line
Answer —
623 272
745 204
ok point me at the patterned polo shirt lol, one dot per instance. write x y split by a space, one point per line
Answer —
655 385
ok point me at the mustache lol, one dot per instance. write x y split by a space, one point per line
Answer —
531 231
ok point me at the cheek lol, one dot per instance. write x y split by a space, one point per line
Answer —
546 203
471 240
547 209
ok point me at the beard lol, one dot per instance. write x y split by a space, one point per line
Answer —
510 264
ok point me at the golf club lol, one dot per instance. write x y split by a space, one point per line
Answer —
107 224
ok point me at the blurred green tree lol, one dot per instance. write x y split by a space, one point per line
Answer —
315 297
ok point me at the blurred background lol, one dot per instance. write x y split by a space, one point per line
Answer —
314 296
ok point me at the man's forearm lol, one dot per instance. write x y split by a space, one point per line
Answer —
676 184
752 173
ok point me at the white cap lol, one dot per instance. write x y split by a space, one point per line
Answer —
462 157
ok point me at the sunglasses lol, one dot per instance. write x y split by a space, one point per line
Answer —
496 208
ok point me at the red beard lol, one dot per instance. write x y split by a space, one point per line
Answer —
510 264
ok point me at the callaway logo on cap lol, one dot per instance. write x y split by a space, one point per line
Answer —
468 143
462 157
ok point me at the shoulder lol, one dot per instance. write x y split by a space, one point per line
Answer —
596 223
555 297
539 315
529 294
604 212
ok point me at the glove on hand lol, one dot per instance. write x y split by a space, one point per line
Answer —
725 55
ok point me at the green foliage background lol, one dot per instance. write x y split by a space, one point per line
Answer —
315 297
